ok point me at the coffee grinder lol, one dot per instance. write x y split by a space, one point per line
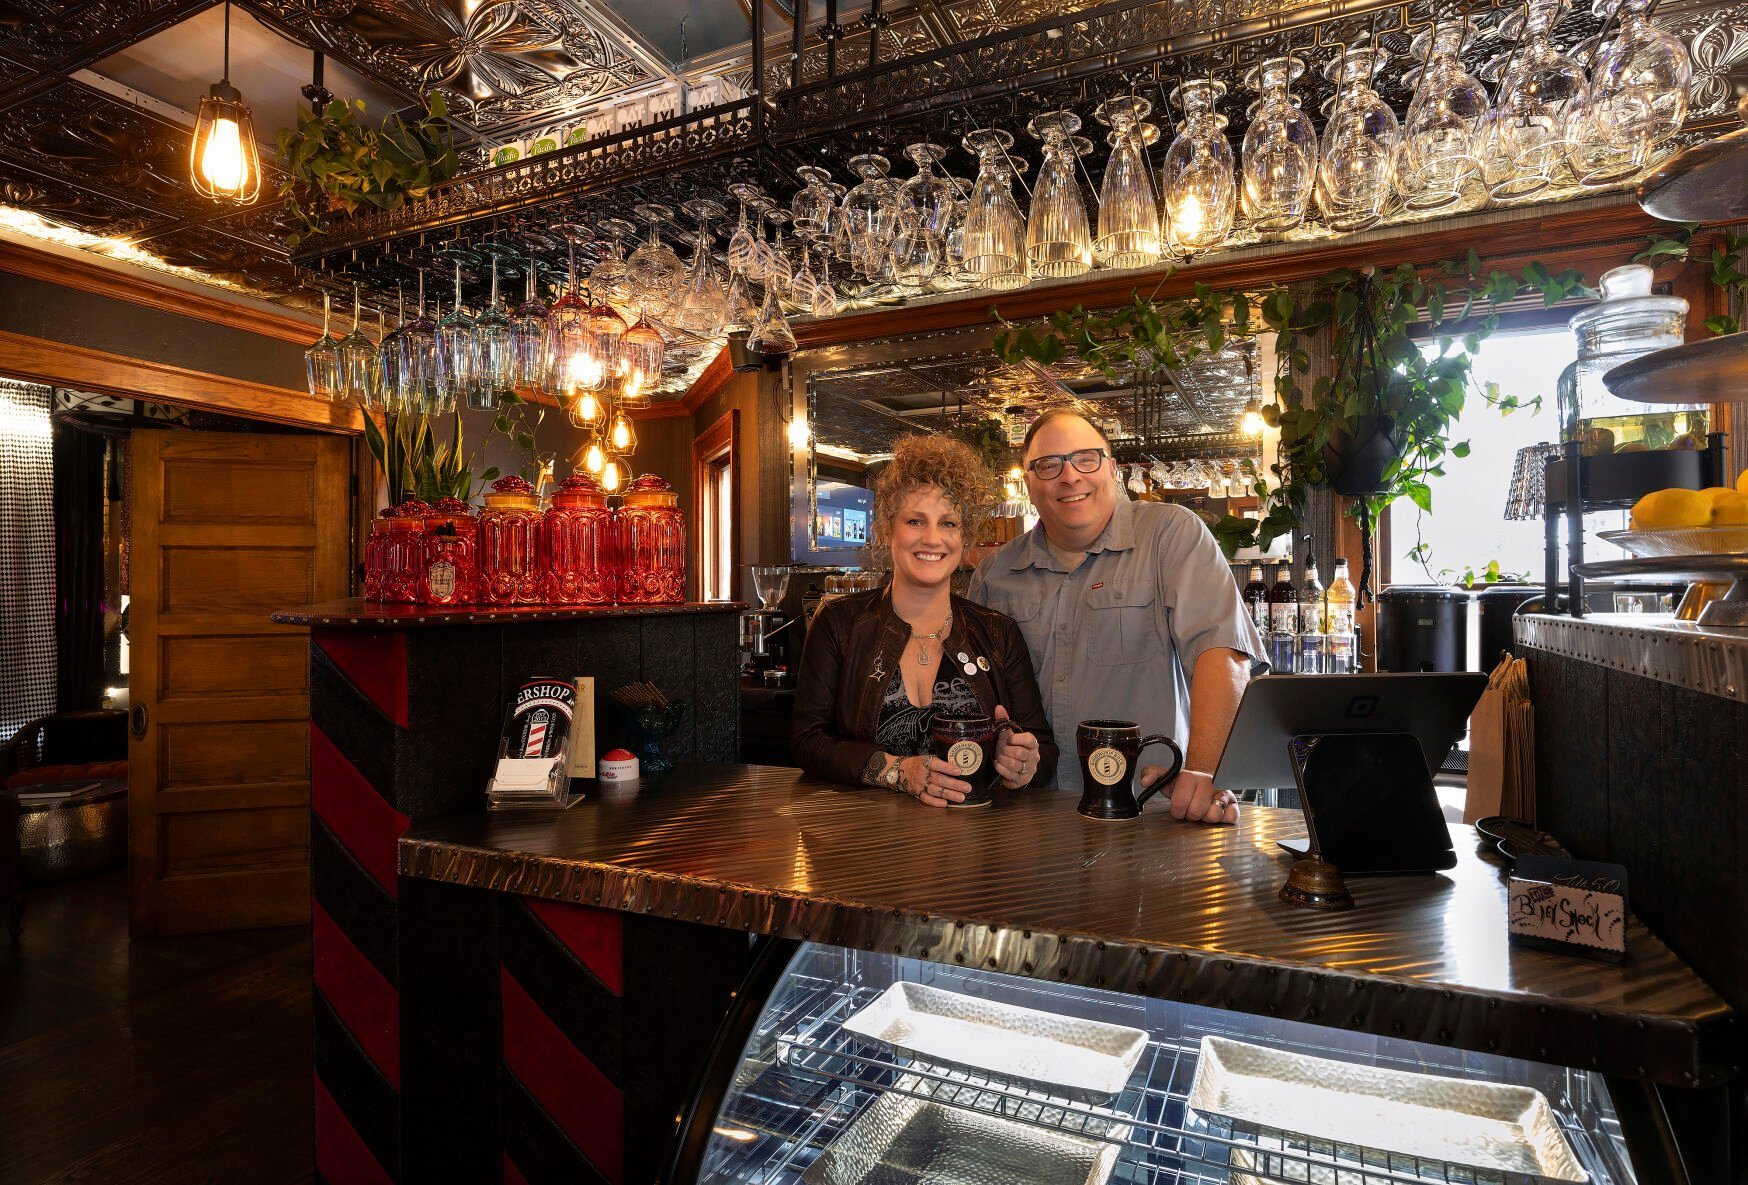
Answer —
764 645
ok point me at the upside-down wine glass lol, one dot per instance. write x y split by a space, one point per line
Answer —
1201 191
871 210
814 203
321 361
1637 99
656 272
1440 159
568 366
1280 149
1531 126
641 354
1058 238
528 332
1128 231
420 390
701 305
740 243
360 370
1356 172
496 342
388 349
994 249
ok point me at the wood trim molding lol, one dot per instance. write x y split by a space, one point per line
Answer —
1558 236
710 380
89 275
58 364
724 433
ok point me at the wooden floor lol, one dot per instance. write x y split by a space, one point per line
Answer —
174 1060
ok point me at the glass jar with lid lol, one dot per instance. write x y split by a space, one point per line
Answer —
400 555
652 544
447 569
580 544
374 543
511 571
1628 321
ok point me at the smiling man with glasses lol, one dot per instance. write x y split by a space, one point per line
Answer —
1129 609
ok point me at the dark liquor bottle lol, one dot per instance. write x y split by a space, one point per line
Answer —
1256 599
1311 607
1283 602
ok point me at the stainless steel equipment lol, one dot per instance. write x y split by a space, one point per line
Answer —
761 652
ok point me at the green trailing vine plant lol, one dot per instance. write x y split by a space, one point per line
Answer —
334 161
1675 243
1383 393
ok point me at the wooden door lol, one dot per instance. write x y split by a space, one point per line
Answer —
225 529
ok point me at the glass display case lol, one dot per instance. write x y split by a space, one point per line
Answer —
824 1098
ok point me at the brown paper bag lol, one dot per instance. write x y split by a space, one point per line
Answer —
1487 751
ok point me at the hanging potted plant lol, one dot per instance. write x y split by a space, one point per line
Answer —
335 163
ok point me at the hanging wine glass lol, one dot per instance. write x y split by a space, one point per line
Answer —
1637 99
568 366
656 272
420 390
1532 124
700 307
360 371
740 311
1440 157
610 279
1201 191
1128 229
641 357
604 331
528 333
458 359
388 357
321 361
928 195
1058 238
496 342
953 244
778 270
870 210
814 203
771 333
803 282
1280 149
740 243
825 295
1356 175
915 252
995 230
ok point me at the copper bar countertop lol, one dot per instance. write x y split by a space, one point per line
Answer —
358 613
1157 907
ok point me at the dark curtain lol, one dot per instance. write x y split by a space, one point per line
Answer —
79 497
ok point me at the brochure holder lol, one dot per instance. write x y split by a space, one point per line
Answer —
534 751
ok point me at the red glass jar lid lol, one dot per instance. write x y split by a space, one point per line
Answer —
512 492
512 483
452 506
580 489
651 490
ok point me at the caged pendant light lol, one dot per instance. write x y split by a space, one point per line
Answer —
225 162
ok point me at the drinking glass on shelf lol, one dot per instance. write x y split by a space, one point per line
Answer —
322 360
1058 236
995 231
1279 161
458 359
1356 172
1128 225
928 196
1440 161
1201 191
915 252
360 369
1637 99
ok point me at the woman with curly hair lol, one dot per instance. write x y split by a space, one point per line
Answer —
879 665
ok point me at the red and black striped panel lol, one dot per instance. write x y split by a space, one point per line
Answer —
358 708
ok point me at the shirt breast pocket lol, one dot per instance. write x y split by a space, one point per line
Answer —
1120 627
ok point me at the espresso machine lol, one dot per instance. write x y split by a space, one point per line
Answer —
765 631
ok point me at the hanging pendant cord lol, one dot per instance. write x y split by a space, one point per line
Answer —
227 41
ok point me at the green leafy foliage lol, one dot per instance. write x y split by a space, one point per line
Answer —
1374 319
333 160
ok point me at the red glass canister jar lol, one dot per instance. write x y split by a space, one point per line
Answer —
447 571
374 544
580 544
511 571
652 544
402 557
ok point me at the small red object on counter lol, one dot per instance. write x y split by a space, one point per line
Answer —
581 544
447 568
511 567
652 544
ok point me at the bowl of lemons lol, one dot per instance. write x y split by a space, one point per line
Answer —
1668 523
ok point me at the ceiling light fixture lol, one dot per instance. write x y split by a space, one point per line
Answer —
1251 424
226 163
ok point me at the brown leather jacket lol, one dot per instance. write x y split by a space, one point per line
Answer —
854 645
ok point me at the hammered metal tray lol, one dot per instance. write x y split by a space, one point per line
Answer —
1085 1060
901 1140
1434 1120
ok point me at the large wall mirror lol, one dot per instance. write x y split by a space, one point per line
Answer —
1183 439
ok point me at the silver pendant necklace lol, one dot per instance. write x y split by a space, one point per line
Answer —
922 652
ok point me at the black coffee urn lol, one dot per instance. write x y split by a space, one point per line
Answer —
1426 627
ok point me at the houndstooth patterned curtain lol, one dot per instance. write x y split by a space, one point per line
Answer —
27 556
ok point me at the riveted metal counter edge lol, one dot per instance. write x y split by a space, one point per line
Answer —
1653 1048
1706 661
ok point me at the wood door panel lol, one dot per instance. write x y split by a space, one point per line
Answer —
202 666
216 841
263 578
230 754
226 529
216 491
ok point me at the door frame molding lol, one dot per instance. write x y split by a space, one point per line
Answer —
58 364
725 432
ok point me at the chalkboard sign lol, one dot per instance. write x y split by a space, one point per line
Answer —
1575 906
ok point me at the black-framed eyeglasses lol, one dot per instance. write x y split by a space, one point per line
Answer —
1084 460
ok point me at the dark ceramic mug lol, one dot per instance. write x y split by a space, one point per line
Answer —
1108 751
967 743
